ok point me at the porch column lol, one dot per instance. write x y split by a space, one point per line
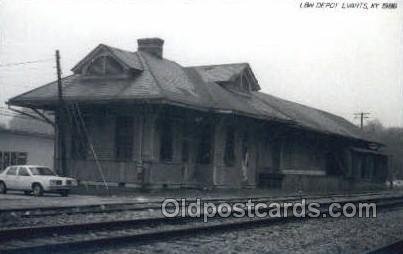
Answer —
219 146
150 142
150 146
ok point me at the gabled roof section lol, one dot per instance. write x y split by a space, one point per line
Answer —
165 82
314 119
227 73
128 59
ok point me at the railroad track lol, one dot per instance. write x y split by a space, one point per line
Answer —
77 237
141 206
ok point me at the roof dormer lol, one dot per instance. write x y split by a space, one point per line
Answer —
104 65
237 77
108 61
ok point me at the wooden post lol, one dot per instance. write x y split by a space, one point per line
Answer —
59 119
140 164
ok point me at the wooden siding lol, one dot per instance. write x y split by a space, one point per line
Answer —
113 171
301 154
299 157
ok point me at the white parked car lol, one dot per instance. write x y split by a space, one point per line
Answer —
35 179
397 183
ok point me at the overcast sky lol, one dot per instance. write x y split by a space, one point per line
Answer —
342 61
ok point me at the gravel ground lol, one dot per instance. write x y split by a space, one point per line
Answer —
331 235
309 236
105 233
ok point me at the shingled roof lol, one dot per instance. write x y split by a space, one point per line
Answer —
162 81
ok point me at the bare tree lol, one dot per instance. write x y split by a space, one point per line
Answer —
392 137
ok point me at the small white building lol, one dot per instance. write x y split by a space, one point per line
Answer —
25 147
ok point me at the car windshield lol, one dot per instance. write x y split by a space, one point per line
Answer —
42 171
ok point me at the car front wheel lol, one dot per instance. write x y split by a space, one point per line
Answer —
3 188
37 190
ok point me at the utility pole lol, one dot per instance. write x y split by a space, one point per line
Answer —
60 118
361 116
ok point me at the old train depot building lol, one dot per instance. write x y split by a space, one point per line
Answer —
138 119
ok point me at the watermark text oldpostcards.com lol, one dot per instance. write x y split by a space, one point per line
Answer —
300 209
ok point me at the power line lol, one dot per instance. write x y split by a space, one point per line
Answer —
27 62
9 113
21 116
16 116
2 108
361 116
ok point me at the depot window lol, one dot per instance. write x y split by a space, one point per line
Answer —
124 138
166 139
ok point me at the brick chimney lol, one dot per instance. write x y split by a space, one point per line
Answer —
151 45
